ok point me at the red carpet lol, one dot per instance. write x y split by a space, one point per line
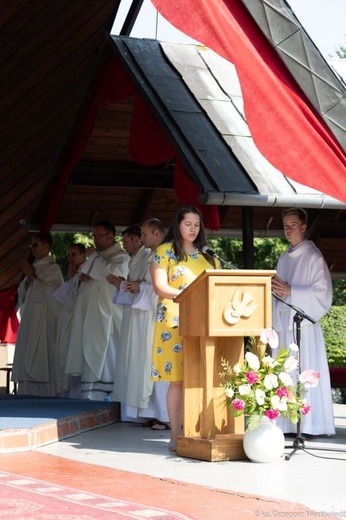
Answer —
28 498
145 494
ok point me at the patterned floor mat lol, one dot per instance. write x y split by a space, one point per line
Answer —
23 498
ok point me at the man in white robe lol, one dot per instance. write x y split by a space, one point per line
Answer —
133 387
66 294
303 280
35 359
95 327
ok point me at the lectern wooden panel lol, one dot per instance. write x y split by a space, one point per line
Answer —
215 313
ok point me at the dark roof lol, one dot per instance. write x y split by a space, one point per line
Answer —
54 57
321 85
206 154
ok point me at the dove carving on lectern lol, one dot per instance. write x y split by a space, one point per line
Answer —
239 307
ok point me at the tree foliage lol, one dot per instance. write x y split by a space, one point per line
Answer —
339 292
267 251
341 51
334 331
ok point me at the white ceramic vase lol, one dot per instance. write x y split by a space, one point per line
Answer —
265 443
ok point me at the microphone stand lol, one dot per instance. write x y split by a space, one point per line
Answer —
227 264
300 315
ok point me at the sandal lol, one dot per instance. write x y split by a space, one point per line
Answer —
160 426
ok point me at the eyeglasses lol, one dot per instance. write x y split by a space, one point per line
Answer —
97 235
35 244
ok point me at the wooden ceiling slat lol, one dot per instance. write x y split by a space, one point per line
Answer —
42 100
22 201
115 132
31 47
111 156
19 14
124 107
35 154
107 140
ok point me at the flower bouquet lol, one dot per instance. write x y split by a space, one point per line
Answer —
263 386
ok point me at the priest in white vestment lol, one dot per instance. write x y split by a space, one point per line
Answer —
95 327
35 359
303 280
66 294
140 397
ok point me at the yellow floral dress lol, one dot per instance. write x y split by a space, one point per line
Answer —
167 364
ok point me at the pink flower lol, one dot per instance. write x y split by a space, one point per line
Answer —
282 391
272 414
309 378
305 408
238 404
252 377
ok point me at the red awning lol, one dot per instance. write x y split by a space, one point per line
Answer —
284 125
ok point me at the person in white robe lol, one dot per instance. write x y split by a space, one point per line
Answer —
66 294
35 359
140 397
96 321
303 280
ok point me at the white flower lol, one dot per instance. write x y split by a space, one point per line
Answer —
290 364
268 361
229 392
271 381
279 403
244 389
252 360
294 347
236 369
286 379
270 336
260 396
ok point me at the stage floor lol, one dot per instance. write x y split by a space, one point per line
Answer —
30 422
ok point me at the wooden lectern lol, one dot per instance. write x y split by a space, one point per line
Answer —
216 311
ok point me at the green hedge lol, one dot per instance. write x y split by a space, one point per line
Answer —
334 331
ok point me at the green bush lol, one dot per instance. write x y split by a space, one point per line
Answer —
334 331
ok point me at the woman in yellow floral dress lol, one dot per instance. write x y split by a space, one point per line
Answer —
176 263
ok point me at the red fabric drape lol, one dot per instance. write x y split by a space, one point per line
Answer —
8 317
115 86
187 193
149 145
284 126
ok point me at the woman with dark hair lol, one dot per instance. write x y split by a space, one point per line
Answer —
176 263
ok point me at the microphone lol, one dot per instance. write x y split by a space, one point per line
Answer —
208 251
